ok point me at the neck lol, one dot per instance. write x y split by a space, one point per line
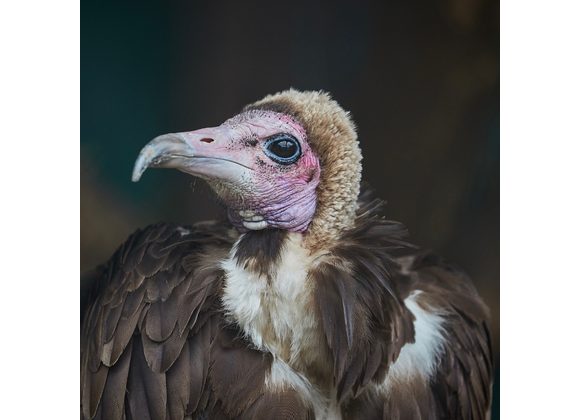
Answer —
268 293
259 251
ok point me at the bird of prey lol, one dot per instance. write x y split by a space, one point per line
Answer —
305 303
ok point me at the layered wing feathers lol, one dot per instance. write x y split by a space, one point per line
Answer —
142 319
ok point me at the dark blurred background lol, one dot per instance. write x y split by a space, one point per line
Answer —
421 79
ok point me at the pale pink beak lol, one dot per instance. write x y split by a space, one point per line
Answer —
207 153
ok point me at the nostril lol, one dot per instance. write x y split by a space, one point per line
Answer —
207 140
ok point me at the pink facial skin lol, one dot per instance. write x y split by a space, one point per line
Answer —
260 192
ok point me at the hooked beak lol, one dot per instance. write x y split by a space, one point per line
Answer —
204 153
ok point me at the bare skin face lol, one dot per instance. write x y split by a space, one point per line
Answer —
258 162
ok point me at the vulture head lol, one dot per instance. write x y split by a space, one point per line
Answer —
290 161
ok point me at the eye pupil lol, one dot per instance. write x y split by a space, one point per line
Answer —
283 149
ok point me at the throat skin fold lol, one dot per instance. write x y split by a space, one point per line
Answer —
291 207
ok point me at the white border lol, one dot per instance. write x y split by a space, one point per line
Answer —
39 172
540 209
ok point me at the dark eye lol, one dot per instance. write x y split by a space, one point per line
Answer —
283 149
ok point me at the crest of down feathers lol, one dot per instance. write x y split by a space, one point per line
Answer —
305 304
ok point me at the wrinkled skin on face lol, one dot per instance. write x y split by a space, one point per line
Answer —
258 191
272 195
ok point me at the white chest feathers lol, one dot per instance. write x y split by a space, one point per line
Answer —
418 359
274 310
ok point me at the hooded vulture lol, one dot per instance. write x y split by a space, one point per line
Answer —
306 303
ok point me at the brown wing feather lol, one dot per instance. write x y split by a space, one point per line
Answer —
199 362
92 390
178 385
113 400
237 371
146 390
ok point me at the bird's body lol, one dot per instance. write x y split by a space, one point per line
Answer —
323 312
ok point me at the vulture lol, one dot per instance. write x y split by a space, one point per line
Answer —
304 302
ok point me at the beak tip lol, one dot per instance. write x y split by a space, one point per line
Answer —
142 163
137 172
157 153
